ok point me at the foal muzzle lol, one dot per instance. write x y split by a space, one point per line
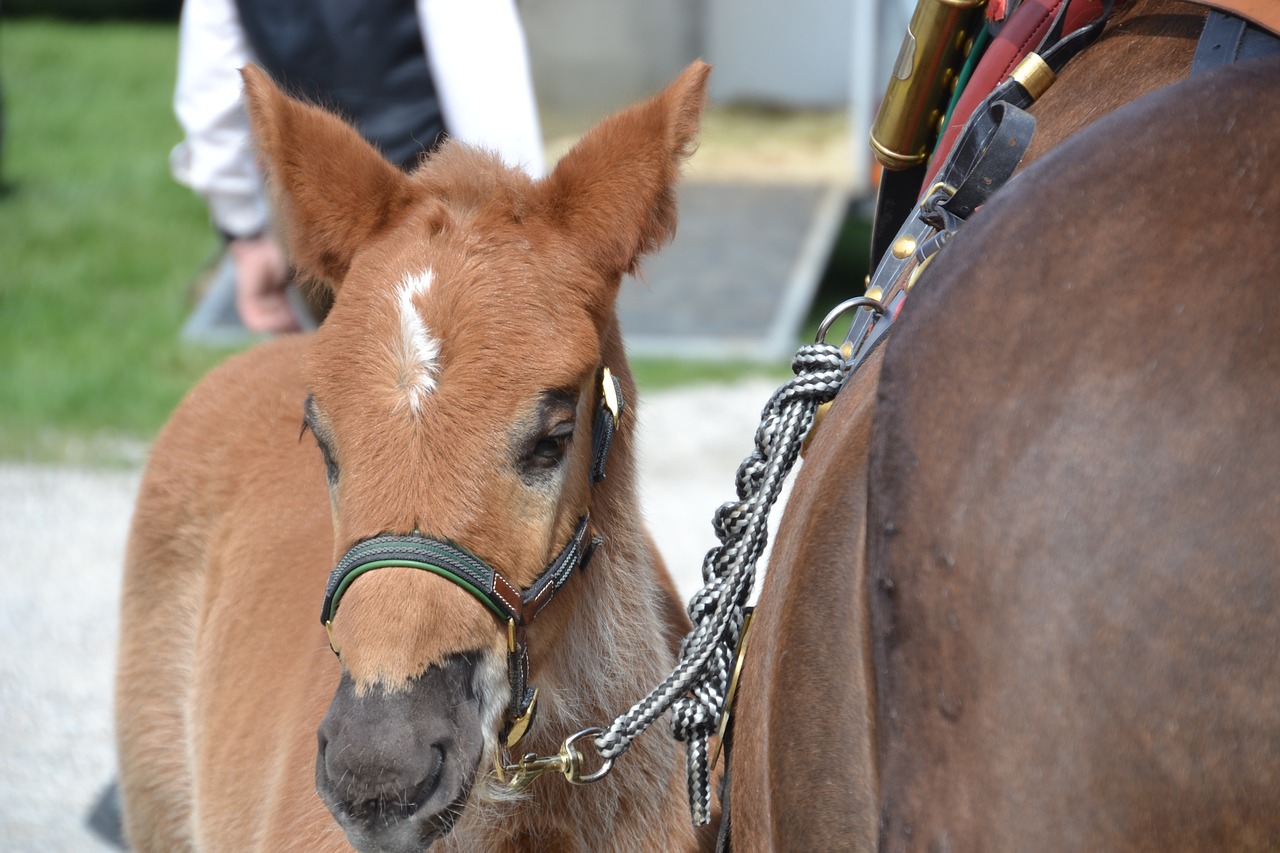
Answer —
516 607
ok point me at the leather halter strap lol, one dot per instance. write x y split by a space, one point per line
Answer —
458 565
517 607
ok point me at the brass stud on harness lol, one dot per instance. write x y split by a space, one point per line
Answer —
915 273
903 246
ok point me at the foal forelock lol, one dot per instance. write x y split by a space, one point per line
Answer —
418 351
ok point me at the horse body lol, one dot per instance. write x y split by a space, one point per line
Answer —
204 573
451 391
1047 522
1075 529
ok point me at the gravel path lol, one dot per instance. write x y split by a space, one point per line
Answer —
62 535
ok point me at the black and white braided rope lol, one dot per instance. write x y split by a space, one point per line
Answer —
696 689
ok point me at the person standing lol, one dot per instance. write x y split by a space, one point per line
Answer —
405 72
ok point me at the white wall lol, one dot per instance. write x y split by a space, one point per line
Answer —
593 55
785 52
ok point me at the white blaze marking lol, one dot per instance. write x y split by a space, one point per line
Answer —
418 350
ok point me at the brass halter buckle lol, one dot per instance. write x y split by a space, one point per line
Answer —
568 762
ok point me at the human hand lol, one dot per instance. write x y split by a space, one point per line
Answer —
261 275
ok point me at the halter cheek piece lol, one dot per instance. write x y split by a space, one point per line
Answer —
516 607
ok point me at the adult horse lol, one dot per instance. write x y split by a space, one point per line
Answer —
1027 578
463 397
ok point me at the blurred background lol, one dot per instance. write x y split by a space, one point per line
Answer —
106 263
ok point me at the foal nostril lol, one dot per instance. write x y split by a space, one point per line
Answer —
417 796
429 785
383 777
396 803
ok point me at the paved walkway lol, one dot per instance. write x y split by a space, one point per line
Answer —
62 534
736 282
738 279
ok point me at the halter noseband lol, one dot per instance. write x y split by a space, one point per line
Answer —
516 607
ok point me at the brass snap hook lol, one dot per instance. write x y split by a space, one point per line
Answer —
567 762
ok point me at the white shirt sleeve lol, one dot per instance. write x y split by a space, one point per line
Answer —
478 62
480 66
216 158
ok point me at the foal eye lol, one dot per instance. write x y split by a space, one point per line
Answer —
547 451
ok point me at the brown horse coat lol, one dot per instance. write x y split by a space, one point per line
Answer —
1075 529
451 391
1147 44
1064 630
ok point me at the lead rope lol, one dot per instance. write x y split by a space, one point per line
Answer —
697 687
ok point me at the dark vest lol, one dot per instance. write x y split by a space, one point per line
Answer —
365 60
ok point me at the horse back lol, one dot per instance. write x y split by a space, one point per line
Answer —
1074 526
199 566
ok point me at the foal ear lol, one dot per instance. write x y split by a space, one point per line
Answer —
615 190
333 191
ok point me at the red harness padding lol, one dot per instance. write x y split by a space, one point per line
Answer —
1025 31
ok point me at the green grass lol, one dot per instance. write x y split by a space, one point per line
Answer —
97 243
98 246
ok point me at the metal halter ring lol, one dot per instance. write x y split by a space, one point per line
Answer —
857 302
577 777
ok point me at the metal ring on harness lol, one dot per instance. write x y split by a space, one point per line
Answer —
856 302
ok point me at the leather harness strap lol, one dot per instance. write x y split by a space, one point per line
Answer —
1033 27
518 608
1262 13
1032 24
1228 39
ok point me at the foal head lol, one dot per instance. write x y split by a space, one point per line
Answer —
453 390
